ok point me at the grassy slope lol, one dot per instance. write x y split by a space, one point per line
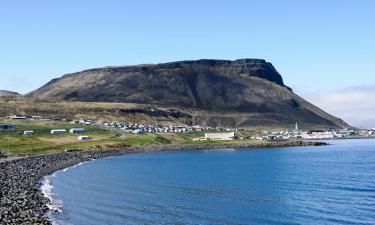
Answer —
174 115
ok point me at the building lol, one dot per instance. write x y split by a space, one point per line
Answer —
318 135
83 138
296 129
7 126
219 136
28 132
17 117
58 131
76 130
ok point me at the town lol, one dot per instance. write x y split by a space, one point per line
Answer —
208 133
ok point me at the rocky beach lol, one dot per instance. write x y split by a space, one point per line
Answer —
22 201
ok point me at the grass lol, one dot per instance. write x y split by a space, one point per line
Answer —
208 142
44 142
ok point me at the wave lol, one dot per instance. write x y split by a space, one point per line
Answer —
74 166
54 205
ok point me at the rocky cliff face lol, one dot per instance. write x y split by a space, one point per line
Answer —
245 92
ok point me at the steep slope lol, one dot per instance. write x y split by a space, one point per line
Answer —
246 92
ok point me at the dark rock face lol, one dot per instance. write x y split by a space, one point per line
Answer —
186 83
251 87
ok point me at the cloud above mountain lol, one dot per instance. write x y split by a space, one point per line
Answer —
355 105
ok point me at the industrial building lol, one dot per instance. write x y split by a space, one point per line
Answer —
219 136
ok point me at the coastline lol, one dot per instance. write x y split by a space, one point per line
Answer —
22 201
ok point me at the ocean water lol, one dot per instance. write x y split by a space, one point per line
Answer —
298 185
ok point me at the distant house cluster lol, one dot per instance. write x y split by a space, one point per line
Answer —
139 128
82 122
213 134
296 133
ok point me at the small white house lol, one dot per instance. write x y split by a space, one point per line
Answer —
219 136
17 117
83 138
58 131
76 130
28 132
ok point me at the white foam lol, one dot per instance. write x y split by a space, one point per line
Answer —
47 190
67 168
78 164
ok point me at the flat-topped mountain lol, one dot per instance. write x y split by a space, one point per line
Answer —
187 83
244 92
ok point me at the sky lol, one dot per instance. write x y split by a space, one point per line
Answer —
322 48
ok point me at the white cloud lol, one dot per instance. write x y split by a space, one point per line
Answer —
355 105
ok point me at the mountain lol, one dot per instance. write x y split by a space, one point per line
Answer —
240 93
7 94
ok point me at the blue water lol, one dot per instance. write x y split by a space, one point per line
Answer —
298 185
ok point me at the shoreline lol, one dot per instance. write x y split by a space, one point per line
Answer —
22 201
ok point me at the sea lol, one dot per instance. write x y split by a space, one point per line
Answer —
332 184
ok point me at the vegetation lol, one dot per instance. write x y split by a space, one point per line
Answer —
14 142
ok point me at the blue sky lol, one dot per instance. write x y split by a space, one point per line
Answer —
318 46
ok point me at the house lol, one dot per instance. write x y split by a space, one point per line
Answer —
17 117
83 138
28 132
76 130
219 136
197 128
7 126
58 131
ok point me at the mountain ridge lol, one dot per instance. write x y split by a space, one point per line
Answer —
5 93
215 91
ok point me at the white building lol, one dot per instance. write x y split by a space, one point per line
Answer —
318 135
83 138
219 136
58 131
17 117
28 132
76 130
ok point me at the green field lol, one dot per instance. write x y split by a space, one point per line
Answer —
15 143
